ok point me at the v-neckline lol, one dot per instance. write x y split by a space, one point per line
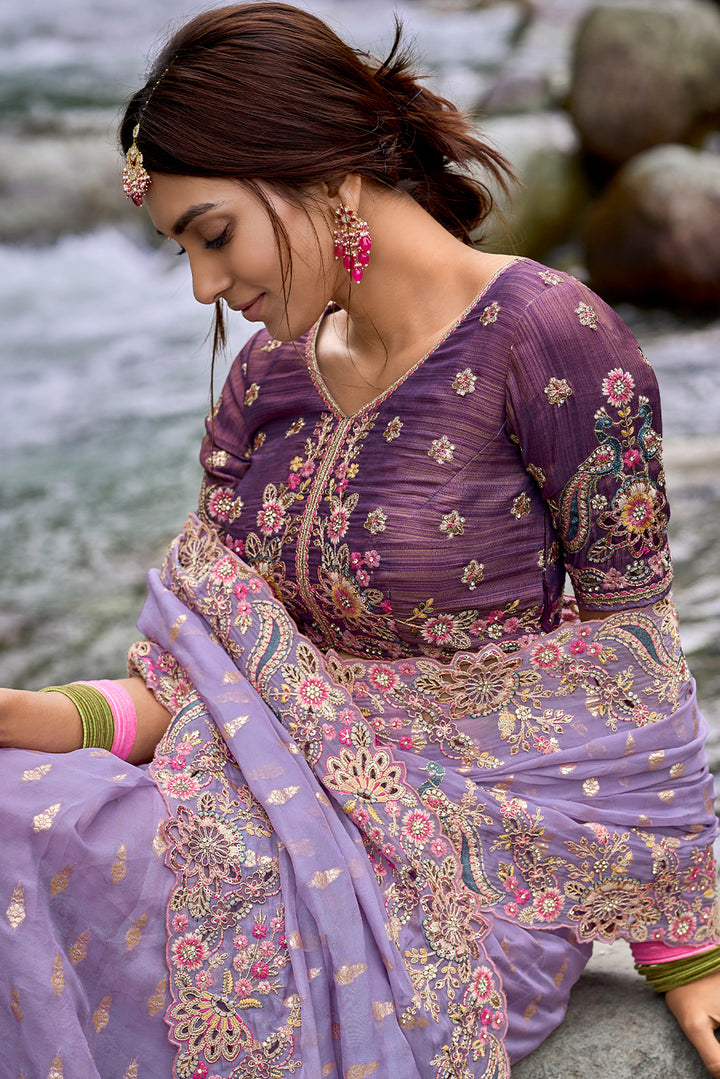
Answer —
321 386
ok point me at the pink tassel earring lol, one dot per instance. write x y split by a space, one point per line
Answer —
352 241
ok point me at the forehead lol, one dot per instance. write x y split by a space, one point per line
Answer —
173 202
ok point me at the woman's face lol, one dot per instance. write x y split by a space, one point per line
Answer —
229 238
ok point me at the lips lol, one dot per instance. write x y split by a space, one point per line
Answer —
250 310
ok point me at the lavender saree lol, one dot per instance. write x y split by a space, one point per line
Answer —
402 791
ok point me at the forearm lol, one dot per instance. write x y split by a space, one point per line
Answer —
50 721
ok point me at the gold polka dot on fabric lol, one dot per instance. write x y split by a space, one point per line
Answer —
656 759
666 796
591 787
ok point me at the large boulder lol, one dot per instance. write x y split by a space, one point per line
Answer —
644 75
615 1028
544 151
654 234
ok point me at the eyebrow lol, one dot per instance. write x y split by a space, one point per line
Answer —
194 211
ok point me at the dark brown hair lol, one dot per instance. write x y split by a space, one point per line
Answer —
267 92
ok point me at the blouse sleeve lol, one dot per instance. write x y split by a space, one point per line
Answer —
226 450
583 405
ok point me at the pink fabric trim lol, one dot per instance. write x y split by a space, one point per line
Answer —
124 714
657 952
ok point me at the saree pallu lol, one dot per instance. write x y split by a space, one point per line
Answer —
383 867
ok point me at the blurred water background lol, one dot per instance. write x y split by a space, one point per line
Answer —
104 368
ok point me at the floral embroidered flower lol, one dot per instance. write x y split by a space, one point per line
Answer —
521 506
618 386
345 596
372 559
210 1025
363 578
464 382
598 503
472 574
636 503
217 459
550 278
417 827
223 505
631 458
252 394
358 773
547 905
383 678
490 314
441 450
271 517
296 464
313 693
181 786
440 629
307 468
557 391
270 345
546 655
205 847
189 952
587 315
393 429
225 571
452 524
375 521
338 522
258 441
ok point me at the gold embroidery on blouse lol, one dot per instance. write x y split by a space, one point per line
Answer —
134 933
16 911
43 821
132 1072
101 1018
119 866
78 951
57 978
61 880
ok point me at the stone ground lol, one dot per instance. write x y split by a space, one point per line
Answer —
616 1028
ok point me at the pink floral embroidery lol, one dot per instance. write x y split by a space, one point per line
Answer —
618 386
271 517
464 382
557 391
252 393
472 574
295 427
490 314
270 345
441 450
452 524
393 429
587 315
521 506
375 521
549 277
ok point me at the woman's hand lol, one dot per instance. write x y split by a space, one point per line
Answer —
697 1009
50 721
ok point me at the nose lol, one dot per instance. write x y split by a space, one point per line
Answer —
210 281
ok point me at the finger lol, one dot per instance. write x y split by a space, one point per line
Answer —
702 1036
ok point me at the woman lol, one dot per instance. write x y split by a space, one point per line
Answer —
397 789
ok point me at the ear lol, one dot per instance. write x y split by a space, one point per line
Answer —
347 189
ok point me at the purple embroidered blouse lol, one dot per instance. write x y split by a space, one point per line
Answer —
443 515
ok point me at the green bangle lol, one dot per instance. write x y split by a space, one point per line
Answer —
665 976
96 716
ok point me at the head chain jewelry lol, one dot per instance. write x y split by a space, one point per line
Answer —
135 177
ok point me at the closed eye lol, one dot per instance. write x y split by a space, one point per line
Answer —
219 241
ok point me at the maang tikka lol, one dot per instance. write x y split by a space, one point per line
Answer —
352 241
135 177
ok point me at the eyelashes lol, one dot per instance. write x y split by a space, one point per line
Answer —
212 245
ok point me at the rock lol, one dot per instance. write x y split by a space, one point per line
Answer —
616 1027
544 151
654 234
644 75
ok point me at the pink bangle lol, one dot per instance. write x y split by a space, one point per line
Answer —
124 715
655 951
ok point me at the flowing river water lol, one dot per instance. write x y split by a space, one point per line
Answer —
104 371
